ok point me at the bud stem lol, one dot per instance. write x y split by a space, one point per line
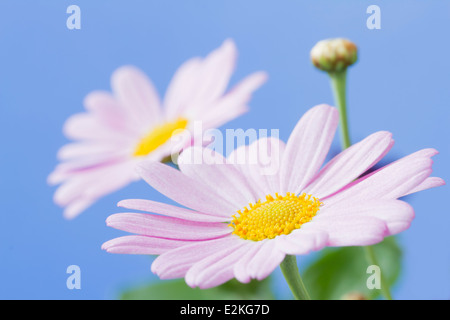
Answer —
290 271
370 255
338 85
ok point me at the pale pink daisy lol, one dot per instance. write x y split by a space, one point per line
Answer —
242 222
122 129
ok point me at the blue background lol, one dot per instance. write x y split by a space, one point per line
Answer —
400 84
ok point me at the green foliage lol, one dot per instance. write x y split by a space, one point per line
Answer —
343 270
178 290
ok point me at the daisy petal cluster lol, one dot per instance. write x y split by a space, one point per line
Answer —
238 221
121 129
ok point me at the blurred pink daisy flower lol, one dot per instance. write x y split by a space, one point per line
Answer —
131 125
242 222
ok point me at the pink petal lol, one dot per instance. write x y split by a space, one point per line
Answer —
92 151
302 241
84 182
169 210
430 182
82 167
209 167
82 189
260 163
182 88
199 82
109 112
396 214
117 177
167 227
265 260
240 267
350 164
215 117
307 147
137 95
215 74
185 190
175 263
234 103
85 126
217 268
355 231
71 189
240 158
390 182
141 245
77 206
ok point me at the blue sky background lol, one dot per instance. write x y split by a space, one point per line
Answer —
400 84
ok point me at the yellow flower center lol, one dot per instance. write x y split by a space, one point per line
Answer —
275 216
158 136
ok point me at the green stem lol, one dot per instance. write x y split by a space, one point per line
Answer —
338 85
290 271
370 255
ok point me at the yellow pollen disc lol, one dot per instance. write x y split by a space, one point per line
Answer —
276 216
158 136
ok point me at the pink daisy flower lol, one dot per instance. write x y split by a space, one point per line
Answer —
122 129
242 222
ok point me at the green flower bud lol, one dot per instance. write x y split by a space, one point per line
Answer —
334 55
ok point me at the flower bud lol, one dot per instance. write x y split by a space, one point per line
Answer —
354 296
334 55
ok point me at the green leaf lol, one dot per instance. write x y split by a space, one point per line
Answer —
344 271
178 290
